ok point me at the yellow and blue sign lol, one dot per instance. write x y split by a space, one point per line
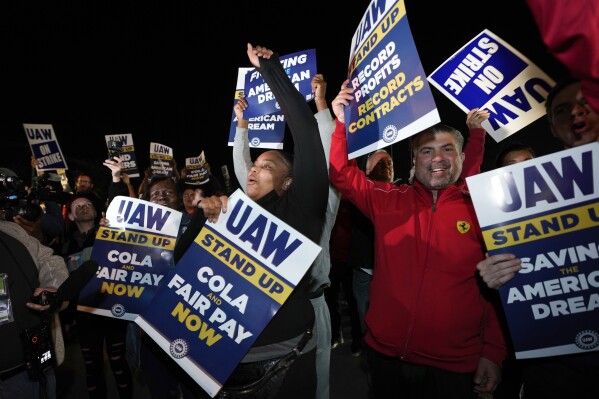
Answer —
546 212
225 289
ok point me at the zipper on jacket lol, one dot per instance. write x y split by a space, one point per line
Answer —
434 193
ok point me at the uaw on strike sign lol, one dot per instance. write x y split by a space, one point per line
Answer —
546 212
225 289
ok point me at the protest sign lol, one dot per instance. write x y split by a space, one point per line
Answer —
300 67
195 170
392 98
264 131
546 212
490 74
134 254
44 147
225 289
127 152
162 161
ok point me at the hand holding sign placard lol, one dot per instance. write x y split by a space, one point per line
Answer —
546 212
225 289
134 254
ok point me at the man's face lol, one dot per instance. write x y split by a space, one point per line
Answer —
573 122
82 210
382 170
83 184
165 193
437 160
268 173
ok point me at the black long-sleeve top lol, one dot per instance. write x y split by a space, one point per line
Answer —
302 206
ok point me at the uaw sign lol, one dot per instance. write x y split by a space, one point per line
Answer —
134 254
44 147
225 289
489 73
546 212
264 131
392 98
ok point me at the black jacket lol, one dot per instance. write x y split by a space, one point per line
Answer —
302 206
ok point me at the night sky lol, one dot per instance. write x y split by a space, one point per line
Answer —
166 71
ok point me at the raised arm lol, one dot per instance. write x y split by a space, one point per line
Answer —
310 180
242 162
475 148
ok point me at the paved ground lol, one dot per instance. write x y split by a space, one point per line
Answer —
348 378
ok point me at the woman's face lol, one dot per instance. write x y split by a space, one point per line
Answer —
165 193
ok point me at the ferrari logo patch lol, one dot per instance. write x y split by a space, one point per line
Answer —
463 227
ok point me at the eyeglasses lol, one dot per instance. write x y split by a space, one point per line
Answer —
162 193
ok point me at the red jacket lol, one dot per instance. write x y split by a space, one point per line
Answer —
570 30
426 306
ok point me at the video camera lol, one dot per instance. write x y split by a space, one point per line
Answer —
15 201
48 187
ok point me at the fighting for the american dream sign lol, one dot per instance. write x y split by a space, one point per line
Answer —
134 254
546 212
225 289
300 67
264 131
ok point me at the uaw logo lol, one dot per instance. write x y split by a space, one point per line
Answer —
462 226
118 310
390 134
179 348
255 142
587 339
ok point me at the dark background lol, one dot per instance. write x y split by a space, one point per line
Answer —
166 71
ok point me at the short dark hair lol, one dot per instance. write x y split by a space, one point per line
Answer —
157 178
559 86
92 198
510 147
287 160
438 128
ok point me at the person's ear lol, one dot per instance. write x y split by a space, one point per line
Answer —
287 183
71 217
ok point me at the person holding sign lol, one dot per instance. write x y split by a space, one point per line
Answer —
95 332
295 190
322 265
574 123
432 330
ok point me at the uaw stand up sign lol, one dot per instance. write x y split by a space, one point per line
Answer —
134 254
546 212
225 289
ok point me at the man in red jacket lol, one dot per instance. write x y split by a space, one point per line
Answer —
433 332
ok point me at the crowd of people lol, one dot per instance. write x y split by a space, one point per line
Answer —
424 305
